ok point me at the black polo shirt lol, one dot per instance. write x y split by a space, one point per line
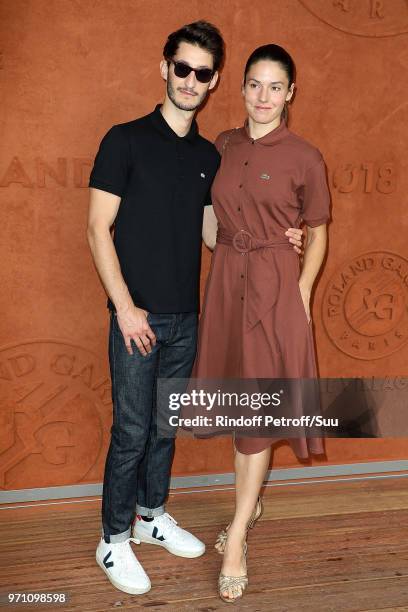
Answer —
164 182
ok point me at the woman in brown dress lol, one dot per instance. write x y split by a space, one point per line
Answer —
256 315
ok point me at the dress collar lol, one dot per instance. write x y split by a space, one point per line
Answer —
271 138
161 124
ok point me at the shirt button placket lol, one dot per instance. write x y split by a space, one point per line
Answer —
180 159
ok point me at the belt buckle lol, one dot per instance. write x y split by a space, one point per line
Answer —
241 236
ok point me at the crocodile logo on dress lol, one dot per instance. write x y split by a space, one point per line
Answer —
265 176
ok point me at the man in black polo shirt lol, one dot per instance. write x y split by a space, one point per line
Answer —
151 179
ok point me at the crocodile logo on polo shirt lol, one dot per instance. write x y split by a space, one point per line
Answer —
265 176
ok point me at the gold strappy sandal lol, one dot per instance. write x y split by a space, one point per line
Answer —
233 582
222 536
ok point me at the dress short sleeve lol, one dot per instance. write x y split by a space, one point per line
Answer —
222 140
315 196
110 170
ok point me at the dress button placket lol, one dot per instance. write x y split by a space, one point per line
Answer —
239 210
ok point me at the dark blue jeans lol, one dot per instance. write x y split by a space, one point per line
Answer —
137 469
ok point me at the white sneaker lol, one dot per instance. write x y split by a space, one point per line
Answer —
163 531
119 563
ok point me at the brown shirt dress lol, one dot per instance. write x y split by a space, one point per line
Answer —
253 323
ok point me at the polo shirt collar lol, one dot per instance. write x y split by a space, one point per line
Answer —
161 124
271 138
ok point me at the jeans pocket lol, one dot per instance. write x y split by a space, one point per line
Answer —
115 323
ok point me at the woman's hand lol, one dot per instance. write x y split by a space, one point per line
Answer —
295 236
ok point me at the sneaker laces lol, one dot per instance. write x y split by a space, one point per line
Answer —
126 555
168 524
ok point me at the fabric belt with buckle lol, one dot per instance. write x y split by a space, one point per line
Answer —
243 242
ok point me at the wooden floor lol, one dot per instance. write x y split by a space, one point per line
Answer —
340 546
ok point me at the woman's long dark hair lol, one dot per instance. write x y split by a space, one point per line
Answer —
274 53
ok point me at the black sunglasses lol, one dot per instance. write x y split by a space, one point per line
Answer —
181 70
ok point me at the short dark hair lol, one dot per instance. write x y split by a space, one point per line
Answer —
200 33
